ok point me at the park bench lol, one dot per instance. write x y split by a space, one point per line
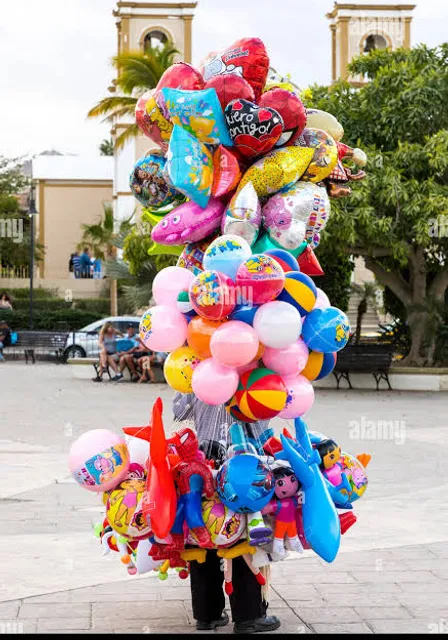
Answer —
33 343
374 358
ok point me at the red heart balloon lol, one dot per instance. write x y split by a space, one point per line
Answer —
254 130
181 75
228 87
247 58
291 109
227 172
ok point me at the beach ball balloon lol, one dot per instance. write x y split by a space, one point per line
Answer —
99 460
225 254
124 509
285 259
169 283
300 396
319 365
163 328
178 369
300 291
261 394
213 295
234 410
234 344
199 334
287 361
326 330
213 382
244 312
278 324
244 483
259 279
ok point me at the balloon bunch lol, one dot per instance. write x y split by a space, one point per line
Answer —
236 141
167 503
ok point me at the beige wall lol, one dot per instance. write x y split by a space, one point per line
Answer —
63 207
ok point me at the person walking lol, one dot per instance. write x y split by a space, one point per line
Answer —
85 264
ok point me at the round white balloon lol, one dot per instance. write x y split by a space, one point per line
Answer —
278 324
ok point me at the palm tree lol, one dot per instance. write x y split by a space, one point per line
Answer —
137 72
106 147
103 241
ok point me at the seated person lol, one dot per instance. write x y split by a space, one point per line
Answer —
108 351
138 357
5 338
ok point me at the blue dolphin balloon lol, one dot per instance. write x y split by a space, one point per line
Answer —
320 518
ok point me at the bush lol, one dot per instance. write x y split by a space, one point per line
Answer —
66 320
24 294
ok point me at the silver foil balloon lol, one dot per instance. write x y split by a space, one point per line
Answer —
296 214
243 215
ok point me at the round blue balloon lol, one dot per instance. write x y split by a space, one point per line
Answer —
285 259
244 313
300 291
326 330
226 254
245 484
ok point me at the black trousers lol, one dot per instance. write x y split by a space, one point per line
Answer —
207 594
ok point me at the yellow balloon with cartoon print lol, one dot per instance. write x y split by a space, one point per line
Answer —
224 525
325 154
124 509
178 369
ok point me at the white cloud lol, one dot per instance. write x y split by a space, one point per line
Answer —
55 57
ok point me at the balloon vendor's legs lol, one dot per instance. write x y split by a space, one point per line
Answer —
207 595
246 601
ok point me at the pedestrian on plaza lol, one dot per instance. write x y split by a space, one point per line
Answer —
85 264
74 265
247 602
5 302
5 338
97 268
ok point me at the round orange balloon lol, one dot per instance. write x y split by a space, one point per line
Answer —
200 331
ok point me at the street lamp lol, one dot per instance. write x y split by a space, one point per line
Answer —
32 211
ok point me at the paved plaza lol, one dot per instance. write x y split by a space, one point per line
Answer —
391 574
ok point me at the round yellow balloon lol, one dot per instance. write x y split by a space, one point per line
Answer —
179 367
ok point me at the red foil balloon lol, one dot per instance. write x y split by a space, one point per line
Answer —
226 172
246 57
228 87
181 75
291 109
151 121
254 130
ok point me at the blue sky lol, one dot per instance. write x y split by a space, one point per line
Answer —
55 56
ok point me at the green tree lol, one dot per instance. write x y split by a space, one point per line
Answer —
106 147
103 240
397 217
137 72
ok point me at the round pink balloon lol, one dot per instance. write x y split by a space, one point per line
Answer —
213 382
234 344
163 328
322 300
169 282
300 396
254 364
99 460
287 361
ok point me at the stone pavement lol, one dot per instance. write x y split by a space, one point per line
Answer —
391 574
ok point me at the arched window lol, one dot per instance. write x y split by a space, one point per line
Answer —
154 39
374 41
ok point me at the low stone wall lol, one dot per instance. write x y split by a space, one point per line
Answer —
66 287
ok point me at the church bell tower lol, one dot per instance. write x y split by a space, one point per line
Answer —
358 28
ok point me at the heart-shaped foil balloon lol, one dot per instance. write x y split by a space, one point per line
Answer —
181 75
291 110
254 130
247 58
228 87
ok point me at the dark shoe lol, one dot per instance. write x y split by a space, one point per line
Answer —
118 377
209 626
268 623
97 379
